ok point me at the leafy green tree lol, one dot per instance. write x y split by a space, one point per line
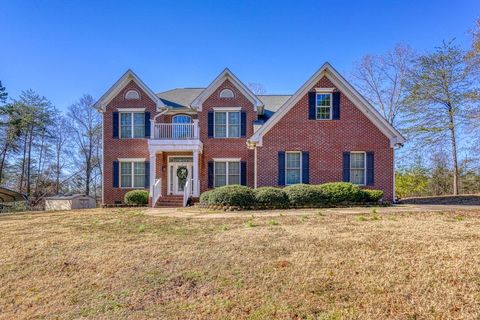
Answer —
412 181
441 89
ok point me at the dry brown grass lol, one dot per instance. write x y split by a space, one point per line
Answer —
121 263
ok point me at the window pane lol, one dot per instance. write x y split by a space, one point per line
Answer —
323 100
233 179
293 160
126 119
126 132
139 181
357 160
220 180
234 168
220 118
234 131
139 131
293 176
139 168
234 118
126 181
357 176
126 167
323 112
220 168
139 118
220 131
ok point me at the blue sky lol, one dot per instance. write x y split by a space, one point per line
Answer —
63 49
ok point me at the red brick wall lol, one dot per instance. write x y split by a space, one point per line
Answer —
326 140
122 148
225 147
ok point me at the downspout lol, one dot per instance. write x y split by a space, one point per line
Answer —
255 181
395 147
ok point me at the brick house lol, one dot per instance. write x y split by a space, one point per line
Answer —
184 141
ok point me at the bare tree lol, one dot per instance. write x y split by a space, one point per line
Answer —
441 89
381 80
257 88
61 140
85 125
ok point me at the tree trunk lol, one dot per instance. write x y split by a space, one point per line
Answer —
453 141
22 174
29 160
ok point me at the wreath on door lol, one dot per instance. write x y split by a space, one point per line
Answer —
182 173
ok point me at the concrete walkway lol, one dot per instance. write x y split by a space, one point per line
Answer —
200 213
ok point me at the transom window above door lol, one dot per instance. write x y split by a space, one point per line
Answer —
132 125
227 124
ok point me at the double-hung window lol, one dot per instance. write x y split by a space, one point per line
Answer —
293 167
132 174
226 172
227 124
357 168
132 125
324 106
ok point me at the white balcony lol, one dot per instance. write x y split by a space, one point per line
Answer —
175 137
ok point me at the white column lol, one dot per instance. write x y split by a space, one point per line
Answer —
153 163
196 168
196 131
255 182
152 128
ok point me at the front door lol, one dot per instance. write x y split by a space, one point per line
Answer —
180 169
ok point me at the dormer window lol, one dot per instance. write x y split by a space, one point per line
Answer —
132 95
227 93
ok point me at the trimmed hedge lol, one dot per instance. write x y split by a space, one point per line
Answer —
136 197
270 197
232 195
298 195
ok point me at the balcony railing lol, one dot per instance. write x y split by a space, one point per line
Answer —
175 131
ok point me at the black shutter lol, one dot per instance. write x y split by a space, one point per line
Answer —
243 172
243 124
370 168
147 174
281 168
346 166
115 172
336 106
210 174
147 124
210 124
115 125
305 167
312 110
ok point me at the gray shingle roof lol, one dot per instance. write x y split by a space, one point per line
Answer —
183 97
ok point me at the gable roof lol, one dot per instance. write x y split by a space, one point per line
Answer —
129 75
224 75
358 100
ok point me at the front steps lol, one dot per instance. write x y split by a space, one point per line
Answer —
171 201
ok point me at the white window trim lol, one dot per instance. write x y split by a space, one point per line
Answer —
228 91
227 161
364 168
301 168
131 109
331 105
132 124
324 90
220 109
132 90
131 161
227 123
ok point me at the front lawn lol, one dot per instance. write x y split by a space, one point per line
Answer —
122 263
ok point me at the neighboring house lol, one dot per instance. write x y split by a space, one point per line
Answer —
225 134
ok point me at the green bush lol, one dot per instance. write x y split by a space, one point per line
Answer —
337 192
372 195
304 195
205 196
233 195
271 197
136 197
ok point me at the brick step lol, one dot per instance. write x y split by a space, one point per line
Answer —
171 201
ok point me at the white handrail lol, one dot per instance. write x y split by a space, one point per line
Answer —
187 192
157 191
175 131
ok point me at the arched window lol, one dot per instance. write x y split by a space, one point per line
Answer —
182 128
226 93
132 95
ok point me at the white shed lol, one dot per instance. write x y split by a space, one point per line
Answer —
76 201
